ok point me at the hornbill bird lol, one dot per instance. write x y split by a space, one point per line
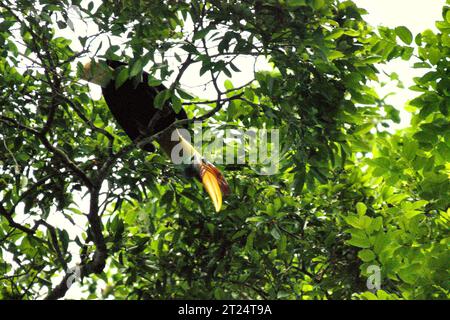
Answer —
132 105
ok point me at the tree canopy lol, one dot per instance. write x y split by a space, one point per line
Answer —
357 210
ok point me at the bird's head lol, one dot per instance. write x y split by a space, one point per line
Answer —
97 72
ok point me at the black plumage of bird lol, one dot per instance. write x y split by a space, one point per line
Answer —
132 105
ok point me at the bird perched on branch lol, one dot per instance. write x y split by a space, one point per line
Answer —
132 105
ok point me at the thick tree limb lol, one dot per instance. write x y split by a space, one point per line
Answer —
98 261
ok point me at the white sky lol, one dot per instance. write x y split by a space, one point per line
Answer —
417 15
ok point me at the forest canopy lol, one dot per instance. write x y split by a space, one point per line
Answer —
357 209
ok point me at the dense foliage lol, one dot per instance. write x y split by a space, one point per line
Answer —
351 195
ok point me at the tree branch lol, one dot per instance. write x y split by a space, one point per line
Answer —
98 261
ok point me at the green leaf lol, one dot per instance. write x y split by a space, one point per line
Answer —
366 255
333 55
352 33
396 198
137 67
409 273
381 241
359 239
161 98
420 65
361 208
317 4
434 55
153 82
410 148
275 233
184 95
234 68
404 34
64 238
111 50
61 25
121 77
177 57
353 221
281 245
283 294
228 84
176 103
249 243
205 67
409 214
376 224
335 34
368 296
296 3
